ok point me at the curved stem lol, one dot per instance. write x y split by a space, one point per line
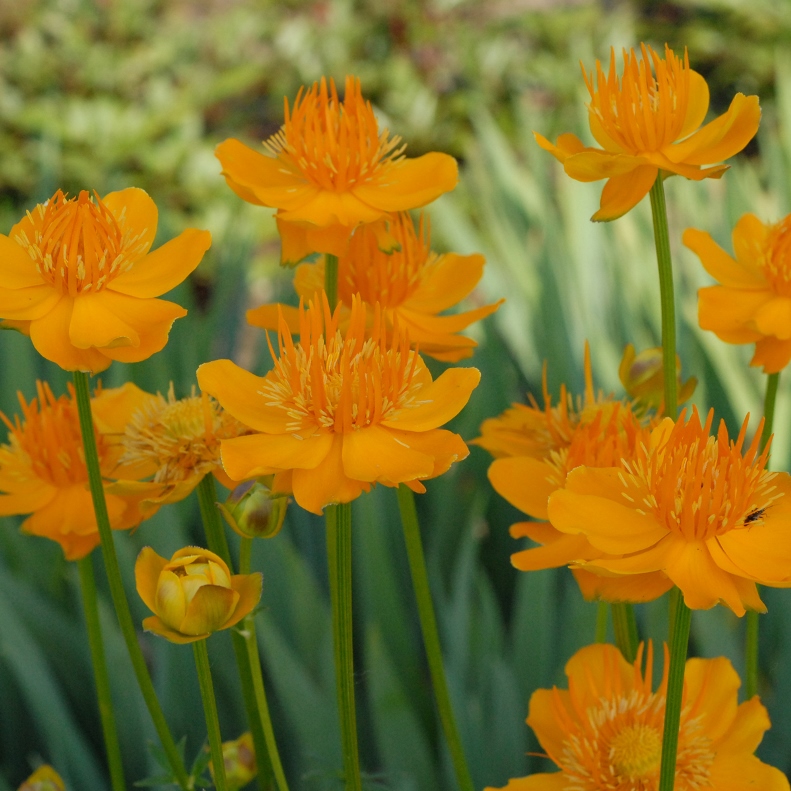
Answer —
210 712
752 625
602 611
106 713
339 556
662 242
428 625
245 646
331 279
116 584
625 629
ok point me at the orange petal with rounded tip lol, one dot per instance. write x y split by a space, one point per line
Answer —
137 211
594 668
18 269
622 193
211 607
594 165
556 781
697 104
720 265
746 731
442 446
27 500
114 407
446 283
248 586
237 391
442 400
650 560
299 240
264 454
729 312
748 237
634 588
328 483
773 354
525 482
156 625
165 268
94 324
598 481
731 772
27 304
543 719
774 318
148 566
711 688
374 454
565 550
564 147
327 209
410 183
268 317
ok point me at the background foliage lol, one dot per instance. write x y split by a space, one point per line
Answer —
104 94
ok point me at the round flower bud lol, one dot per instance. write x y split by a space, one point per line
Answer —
254 511
239 759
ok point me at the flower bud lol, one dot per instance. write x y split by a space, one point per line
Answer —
45 778
239 759
642 377
253 511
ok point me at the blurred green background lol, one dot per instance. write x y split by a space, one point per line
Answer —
114 93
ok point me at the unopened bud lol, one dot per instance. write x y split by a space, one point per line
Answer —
254 511
239 759
642 377
45 778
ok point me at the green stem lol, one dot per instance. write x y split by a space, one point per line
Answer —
752 626
331 279
428 625
245 555
625 629
109 730
675 691
339 556
116 584
662 241
210 712
245 646
602 611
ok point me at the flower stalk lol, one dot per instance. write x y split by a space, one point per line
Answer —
428 626
625 629
602 611
210 712
101 677
116 584
331 279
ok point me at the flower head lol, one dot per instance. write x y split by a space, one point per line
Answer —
647 122
340 411
45 778
193 594
77 278
752 304
240 763
605 730
702 509
330 168
411 284
43 472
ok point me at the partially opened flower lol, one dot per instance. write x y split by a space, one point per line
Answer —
411 284
605 730
702 509
340 411
43 472
193 594
78 278
329 169
752 304
647 123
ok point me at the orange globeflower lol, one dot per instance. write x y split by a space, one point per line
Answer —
340 412
694 506
43 473
330 168
753 302
605 731
537 449
77 278
647 123
411 284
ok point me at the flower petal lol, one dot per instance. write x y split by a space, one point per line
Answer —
443 447
446 282
268 317
31 498
567 549
735 772
774 318
748 237
211 607
170 603
28 304
746 730
526 483
326 209
136 212
721 266
155 625
564 147
772 353
729 312
546 706
299 240
18 268
165 268
148 566
94 324
265 454
542 781
622 193
697 104
594 165
711 689
248 586
374 454
635 588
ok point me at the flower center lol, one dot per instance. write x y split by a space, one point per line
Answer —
336 145
776 258
78 245
636 751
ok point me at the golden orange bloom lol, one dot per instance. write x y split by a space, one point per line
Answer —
340 411
45 778
43 473
752 304
647 122
193 594
77 278
537 449
642 377
412 285
605 730
702 509
329 169
240 763
175 442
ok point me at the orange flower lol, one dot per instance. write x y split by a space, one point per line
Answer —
605 731
537 449
411 284
753 302
340 412
43 473
690 505
77 278
329 168
193 594
647 123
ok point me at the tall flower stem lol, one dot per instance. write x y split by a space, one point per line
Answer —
679 642
116 584
625 629
331 279
210 712
752 626
602 611
428 625
245 646
662 242
106 713
339 556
